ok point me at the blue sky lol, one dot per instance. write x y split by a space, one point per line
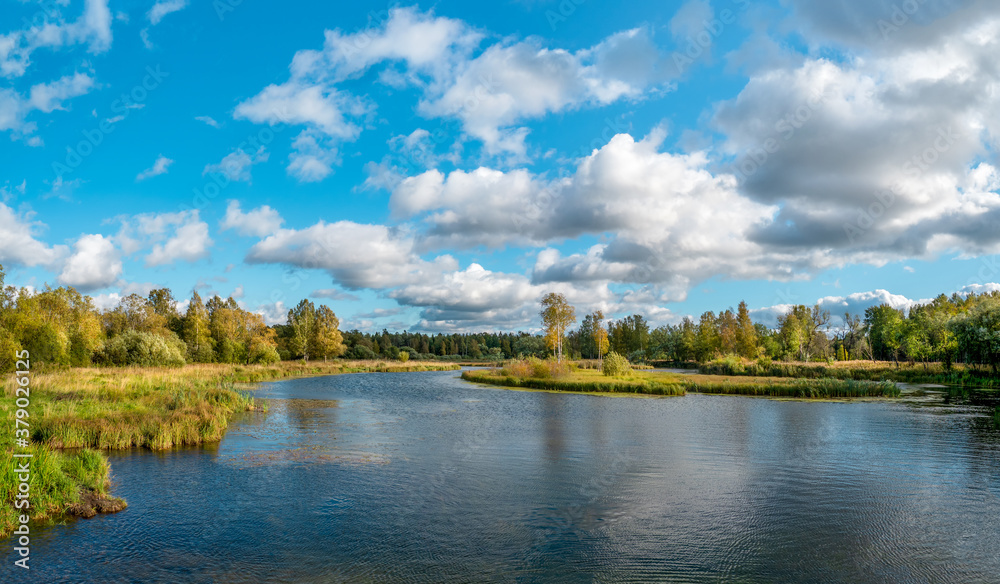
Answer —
440 166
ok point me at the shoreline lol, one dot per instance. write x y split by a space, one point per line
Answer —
82 414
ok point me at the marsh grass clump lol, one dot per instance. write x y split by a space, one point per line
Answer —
581 380
616 365
535 368
955 374
796 388
61 482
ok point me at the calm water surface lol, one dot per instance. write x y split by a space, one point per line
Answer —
421 477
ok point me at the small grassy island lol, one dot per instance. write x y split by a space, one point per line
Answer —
553 376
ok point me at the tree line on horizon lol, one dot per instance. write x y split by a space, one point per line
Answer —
62 327
959 328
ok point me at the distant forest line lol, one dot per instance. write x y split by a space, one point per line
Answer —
62 327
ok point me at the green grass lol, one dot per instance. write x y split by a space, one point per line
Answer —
790 387
582 381
78 412
958 374
59 481
587 380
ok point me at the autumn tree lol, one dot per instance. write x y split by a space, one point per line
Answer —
600 334
557 316
326 340
162 302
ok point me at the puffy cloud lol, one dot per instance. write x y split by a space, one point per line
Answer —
356 255
507 84
986 288
310 160
671 220
190 241
300 103
490 93
259 222
169 237
18 244
273 313
94 264
159 167
237 164
422 41
107 301
873 160
859 301
473 290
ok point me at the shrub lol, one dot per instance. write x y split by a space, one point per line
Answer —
144 349
535 368
361 353
616 365
263 354
9 347
46 343
404 356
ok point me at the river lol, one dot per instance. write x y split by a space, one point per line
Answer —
422 477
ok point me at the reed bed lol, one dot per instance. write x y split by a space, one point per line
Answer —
957 374
579 382
597 364
655 383
795 388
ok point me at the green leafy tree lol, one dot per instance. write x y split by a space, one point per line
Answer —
885 330
301 321
196 332
746 333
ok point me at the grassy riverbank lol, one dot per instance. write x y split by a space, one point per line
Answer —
76 413
658 383
958 374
